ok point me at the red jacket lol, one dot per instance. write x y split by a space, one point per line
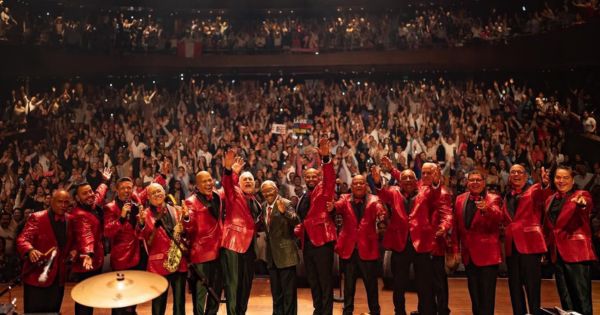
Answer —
38 234
203 230
89 232
419 224
571 234
443 217
354 234
238 227
318 224
480 244
158 243
525 228
124 241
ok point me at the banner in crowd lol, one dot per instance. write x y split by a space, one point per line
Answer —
189 49
303 126
279 129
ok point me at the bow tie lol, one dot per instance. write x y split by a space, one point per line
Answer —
358 201
59 218
516 192
474 197
209 197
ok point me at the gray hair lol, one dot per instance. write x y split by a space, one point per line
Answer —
268 182
246 174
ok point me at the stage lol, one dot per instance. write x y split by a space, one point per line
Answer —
260 301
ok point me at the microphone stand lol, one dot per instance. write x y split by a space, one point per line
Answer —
202 279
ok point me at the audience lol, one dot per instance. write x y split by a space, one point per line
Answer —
66 134
278 31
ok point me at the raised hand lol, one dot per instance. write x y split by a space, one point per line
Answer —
125 210
106 173
376 174
280 205
238 165
141 216
545 176
387 163
330 206
229 159
580 201
324 149
185 212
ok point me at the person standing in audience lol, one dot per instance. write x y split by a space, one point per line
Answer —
524 242
317 231
357 244
569 235
204 232
279 219
477 218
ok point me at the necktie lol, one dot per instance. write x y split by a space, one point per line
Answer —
269 210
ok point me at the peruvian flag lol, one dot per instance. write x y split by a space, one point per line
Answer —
188 48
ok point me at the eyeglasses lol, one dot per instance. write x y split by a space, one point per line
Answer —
475 180
517 172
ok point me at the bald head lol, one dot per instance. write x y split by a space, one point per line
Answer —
247 183
204 183
60 202
359 186
156 194
430 173
311 178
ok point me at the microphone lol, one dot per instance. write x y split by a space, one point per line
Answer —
44 275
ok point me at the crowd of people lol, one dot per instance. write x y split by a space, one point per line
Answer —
71 136
277 31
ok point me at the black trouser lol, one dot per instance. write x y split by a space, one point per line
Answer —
238 271
440 285
177 284
211 273
574 284
423 278
318 262
368 269
524 273
82 309
482 288
283 289
43 300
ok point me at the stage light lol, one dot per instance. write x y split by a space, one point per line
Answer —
523 8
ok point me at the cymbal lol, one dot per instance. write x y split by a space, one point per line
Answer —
117 289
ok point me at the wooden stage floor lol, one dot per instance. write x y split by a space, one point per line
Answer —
260 301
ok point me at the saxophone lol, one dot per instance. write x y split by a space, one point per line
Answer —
174 254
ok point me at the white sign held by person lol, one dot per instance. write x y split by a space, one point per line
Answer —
278 129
